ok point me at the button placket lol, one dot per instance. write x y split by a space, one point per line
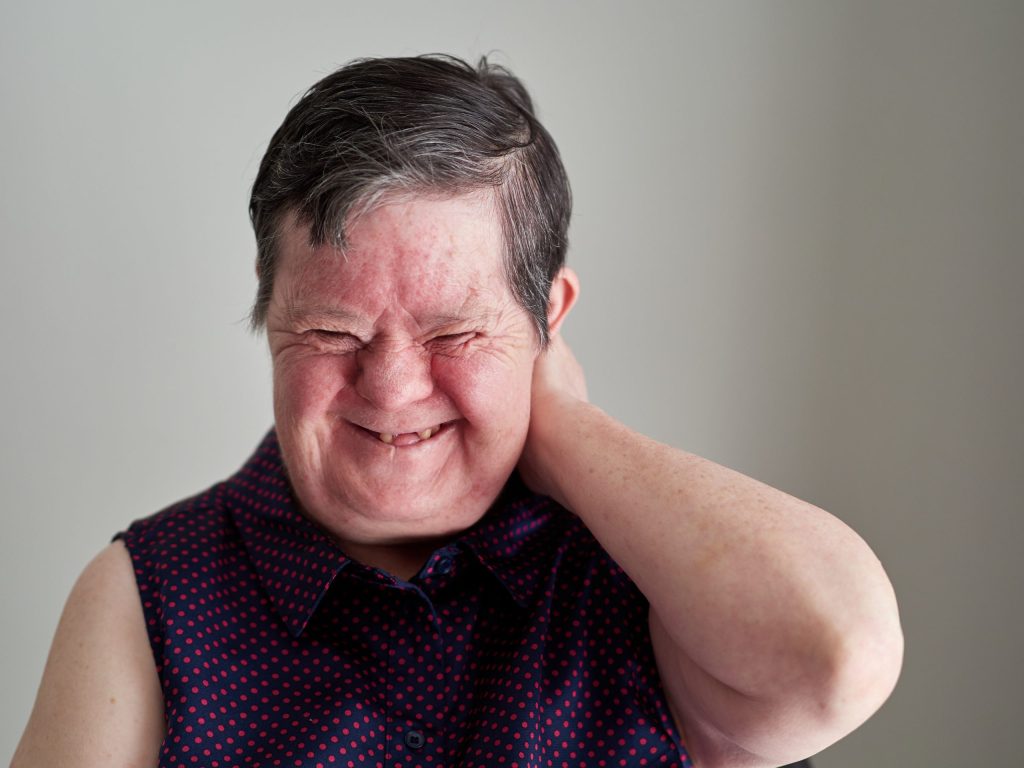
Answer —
415 682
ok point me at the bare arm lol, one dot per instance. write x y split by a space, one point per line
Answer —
774 626
99 703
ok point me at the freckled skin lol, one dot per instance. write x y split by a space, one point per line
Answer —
411 327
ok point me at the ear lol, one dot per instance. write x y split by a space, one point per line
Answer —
565 289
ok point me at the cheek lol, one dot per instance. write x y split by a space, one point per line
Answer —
306 384
487 392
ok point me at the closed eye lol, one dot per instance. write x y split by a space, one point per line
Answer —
452 341
335 338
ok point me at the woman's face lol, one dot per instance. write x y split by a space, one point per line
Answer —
402 370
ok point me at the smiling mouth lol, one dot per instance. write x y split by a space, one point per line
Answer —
403 439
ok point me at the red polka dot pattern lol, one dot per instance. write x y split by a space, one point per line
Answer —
520 643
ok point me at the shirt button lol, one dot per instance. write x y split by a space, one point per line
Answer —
445 565
414 739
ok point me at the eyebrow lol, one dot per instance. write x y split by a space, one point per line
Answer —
295 312
472 316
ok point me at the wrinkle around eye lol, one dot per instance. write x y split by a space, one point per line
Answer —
315 342
451 343
340 341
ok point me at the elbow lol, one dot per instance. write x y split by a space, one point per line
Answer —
854 679
861 649
860 675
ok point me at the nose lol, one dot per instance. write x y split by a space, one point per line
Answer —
393 377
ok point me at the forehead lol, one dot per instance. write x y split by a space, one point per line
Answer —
424 254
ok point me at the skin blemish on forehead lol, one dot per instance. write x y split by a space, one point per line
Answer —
399 267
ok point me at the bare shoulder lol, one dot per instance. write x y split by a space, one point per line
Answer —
99 702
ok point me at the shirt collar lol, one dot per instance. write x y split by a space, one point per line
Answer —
297 562
294 560
519 539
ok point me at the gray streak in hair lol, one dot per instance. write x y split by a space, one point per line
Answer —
381 129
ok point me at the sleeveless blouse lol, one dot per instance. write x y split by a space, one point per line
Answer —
519 643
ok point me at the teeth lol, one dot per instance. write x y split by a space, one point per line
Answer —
389 437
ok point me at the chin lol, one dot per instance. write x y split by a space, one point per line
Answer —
365 493
390 514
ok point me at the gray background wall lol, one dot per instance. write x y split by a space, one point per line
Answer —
798 226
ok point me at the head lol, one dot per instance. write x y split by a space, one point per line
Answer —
386 129
411 218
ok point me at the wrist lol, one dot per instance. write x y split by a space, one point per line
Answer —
559 436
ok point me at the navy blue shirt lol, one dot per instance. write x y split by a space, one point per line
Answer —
519 643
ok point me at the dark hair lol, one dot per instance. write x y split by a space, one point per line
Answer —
418 125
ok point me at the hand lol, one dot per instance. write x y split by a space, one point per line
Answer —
557 372
558 385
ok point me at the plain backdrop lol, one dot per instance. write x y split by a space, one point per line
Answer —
798 227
